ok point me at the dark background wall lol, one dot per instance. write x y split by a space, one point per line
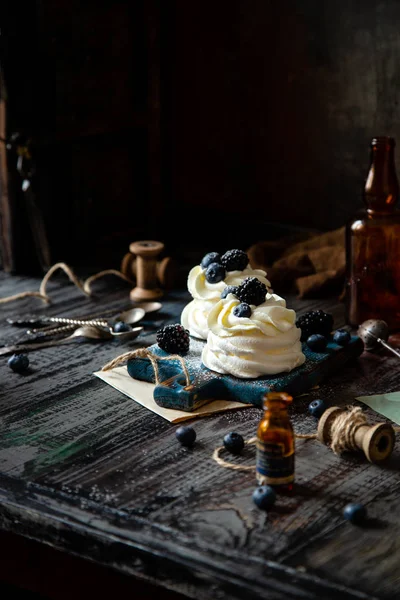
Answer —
204 124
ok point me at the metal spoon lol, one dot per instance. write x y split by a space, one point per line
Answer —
133 315
86 333
374 332
148 307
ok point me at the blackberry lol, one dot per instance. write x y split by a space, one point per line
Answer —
315 322
229 289
252 291
215 273
235 260
173 339
210 258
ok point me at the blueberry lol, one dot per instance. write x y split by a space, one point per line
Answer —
355 513
242 310
233 442
316 408
18 362
317 342
120 326
186 435
215 273
341 337
211 257
264 496
229 289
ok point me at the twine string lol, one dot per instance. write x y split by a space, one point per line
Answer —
84 287
146 353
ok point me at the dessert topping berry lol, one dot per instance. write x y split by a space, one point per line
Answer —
229 289
341 337
242 310
252 291
317 342
235 260
209 258
215 272
315 321
174 339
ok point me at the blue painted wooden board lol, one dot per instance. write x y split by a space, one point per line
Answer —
206 385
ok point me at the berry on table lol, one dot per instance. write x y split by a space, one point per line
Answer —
229 289
235 260
264 496
341 337
186 435
209 258
315 321
252 291
173 338
242 310
317 342
316 408
233 442
18 363
120 326
215 273
355 512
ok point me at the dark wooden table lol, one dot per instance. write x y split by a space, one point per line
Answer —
92 478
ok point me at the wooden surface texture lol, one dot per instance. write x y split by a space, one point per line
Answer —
89 472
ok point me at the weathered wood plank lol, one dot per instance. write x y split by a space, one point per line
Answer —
90 471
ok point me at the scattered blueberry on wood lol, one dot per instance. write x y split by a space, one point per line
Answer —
264 497
317 342
316 408
120 326
233 442
18 363
186 435
341 337
355 512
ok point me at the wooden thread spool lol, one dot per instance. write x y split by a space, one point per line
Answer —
150 273
376 441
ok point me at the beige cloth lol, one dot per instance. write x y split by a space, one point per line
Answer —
311 264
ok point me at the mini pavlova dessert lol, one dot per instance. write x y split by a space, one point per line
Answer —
215 275
252 334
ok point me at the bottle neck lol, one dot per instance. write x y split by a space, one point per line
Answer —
381 187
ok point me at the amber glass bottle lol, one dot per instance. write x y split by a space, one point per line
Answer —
373 244
275 443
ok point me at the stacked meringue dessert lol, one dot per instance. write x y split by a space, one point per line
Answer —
215 275
249 331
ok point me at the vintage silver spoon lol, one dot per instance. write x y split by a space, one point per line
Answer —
374 332
86 333
130 316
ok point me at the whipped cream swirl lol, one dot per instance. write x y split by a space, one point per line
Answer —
266 343
205 295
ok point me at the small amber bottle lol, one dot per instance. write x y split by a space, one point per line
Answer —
275 443
373 244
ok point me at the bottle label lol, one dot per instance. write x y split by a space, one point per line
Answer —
273 467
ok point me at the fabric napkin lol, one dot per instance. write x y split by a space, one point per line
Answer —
387 405
142 393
